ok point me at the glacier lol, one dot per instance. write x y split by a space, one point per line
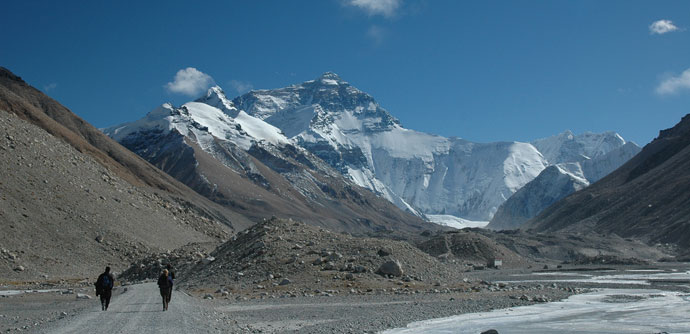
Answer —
422 173
428 175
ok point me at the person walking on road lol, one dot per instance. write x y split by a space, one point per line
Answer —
165 284
104 288
171 274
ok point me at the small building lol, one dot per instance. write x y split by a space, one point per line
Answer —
495 263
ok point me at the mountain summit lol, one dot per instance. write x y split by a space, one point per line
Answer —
237 159
330 76
419 172
329 120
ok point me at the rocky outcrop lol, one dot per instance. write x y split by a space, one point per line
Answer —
390 268
311 258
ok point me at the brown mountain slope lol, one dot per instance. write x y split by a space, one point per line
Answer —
72 200
17 97
257 178
63 214
647 198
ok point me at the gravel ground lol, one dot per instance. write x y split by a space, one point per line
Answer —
326 313
336 312
35 311
360 314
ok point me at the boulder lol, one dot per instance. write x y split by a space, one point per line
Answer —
392 268
385 251
359 269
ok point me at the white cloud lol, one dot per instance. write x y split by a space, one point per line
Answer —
662 27
241 87
49 87
377 34
386 8
674 84
189 81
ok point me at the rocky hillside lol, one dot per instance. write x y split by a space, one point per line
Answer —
648 197
472 249
72 200
580 248
280 255
63 214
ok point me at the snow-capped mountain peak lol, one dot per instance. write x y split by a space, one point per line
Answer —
330 78
419 172
568 147
204 123
215 97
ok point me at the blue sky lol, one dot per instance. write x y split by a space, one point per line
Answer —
483 70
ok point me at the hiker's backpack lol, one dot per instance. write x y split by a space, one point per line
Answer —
106 282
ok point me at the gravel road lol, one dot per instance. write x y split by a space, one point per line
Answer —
139 310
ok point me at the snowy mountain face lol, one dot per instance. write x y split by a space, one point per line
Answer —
608 151
346 128
552 184
240 161
163 138
419 172
567 147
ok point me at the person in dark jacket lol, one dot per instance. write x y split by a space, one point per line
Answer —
171 274
165 285
104 288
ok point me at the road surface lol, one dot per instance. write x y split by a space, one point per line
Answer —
140 310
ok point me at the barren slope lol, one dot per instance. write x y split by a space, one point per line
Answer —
65 215
18 97
72 200
647 198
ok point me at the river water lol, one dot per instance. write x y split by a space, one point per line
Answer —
640 310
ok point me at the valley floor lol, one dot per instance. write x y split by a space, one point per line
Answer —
137 308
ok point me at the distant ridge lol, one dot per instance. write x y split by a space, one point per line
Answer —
648 197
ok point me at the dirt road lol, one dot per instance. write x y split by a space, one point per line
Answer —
139 310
